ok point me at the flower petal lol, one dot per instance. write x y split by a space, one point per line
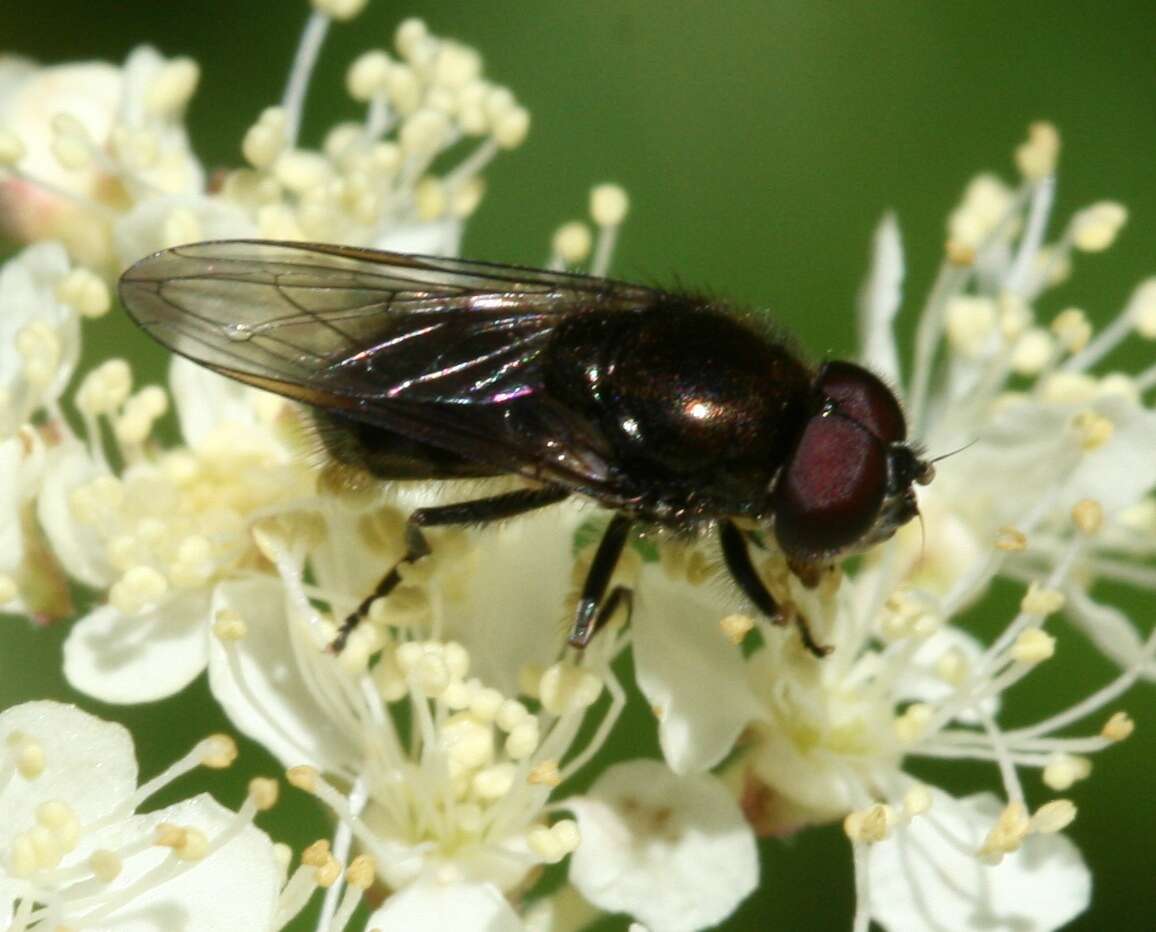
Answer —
259 684
689 671
925 878
512 610
234 887
432 238
673 852
433 907
79 547
88 762
115 658
205 400
1108 628
919 680
879 301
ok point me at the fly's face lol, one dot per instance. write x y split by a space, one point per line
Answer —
849 482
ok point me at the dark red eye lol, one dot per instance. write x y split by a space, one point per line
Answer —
862 396
831 489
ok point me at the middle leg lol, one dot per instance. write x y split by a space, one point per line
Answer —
479 511
742 570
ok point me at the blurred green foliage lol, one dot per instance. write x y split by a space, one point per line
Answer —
760 142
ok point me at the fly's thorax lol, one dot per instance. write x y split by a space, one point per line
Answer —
687 396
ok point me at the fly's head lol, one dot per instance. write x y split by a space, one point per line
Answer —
850 480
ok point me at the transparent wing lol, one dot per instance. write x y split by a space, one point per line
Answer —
445 351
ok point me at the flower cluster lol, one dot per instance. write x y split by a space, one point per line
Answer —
449 739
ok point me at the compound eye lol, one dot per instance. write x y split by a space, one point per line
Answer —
862 396
831 490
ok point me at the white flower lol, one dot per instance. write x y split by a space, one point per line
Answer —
1043 494
92 137
463 798
98 156
42 298
39 334
161 534
432 907
673 852
75 853
444 739
924 877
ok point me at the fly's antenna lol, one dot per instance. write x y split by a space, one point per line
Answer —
943 456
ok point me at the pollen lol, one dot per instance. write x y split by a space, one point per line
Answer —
26 753
970 324
339 9
952 667
1092 430
552 844
1011 540
545 773
173 87
105 865
1041 601
522 740
911 724
916 801
72 145
105 389
1054 816
229 626
1065 770
609 205
85 292
870 825
1118 727
139 589
303 777
1088 516
263 791
1007 835
41 348
736 627
266 138
367 76
362 872
1072 329
218 751
1095 228
573 242
1142 309
1037 156
1033 646
1032 352
566 689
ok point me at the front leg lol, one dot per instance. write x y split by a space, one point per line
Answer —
742 570
479 511
588 618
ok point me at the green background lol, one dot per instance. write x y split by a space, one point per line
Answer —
760 143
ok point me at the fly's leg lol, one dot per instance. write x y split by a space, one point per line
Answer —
588 618
480 511
742 570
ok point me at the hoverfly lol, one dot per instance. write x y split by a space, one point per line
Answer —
668 409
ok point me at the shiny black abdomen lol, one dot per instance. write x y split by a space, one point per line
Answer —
699 408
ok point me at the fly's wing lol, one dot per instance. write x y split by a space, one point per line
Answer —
444 351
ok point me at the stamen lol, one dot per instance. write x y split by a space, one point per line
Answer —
217 752
359 877
1018 278
296 88
608 207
